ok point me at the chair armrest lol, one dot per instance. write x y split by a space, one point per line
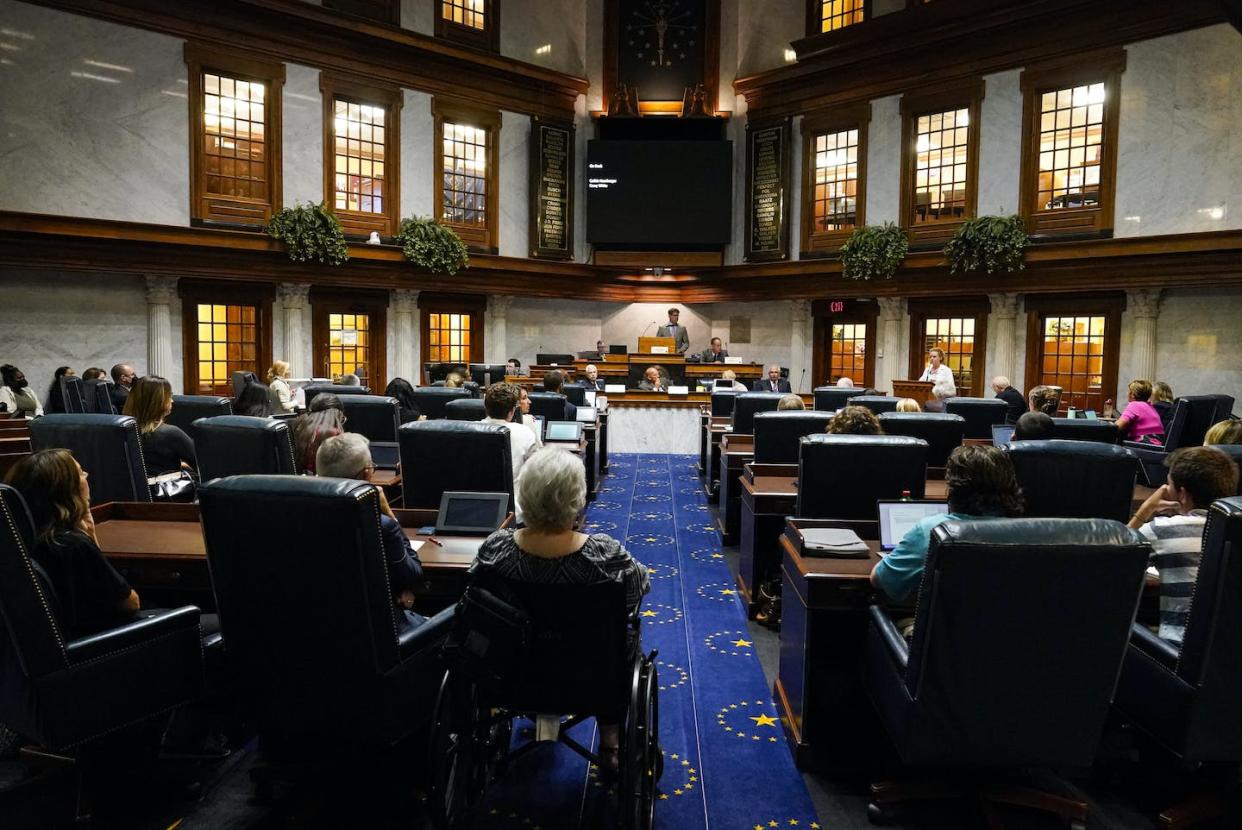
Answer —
898 649
132 634
435 629
1162 651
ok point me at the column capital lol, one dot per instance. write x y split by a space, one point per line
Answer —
1005 305
891 308
799 310
161 290
499 304
405 300
293 294
1145 302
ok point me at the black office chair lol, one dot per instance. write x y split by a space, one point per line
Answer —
1187 699
313 389
73 393
777 434
108 447
1082 429
98 394
431 400
240 379
187 409
1075 479
550 405
230 445
1193 416
878 404
832 398
843 476
998 675
453 455
467 409
374 416
746 404
574 393
63 693
980 414
722 403
942 432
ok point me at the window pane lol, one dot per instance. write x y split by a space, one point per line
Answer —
848 355
1071 142
449 338
224 346
836 14
1073 358
233 128
469 13
956 337
941 157
357 146
464 175
836 181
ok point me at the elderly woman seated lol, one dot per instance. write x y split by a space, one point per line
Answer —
549 550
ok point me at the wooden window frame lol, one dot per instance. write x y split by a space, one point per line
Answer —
473 304
212 209
1101 66
1109 305
480 240
376 11
222 292
815 17
968 96
822 321
856 117
359 223
976 307
487 39
325 301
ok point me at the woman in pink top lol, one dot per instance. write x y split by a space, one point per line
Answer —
1140 418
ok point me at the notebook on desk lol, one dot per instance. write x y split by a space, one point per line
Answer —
897 517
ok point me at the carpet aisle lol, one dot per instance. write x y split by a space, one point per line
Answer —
726 762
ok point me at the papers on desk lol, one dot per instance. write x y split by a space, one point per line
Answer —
833 541
614 388
733 360
679 390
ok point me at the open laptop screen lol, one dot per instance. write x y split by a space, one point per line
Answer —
563 431
471 513
385 455
1001 435
897 517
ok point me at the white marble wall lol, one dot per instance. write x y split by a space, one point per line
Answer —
514 186
418 155
764 31
1000 156
653 429
883 161
553 327
302 147
551 33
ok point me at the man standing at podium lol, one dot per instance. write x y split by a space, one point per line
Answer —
674 329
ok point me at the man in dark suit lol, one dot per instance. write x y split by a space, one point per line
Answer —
554 381
122 378
714 352
675 330
1011 396
652 381
590 378
774 383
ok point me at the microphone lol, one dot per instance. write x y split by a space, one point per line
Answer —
649 325
802 379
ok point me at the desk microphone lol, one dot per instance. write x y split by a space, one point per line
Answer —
649 325
802 379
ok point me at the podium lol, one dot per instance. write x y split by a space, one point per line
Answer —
646 344
920 390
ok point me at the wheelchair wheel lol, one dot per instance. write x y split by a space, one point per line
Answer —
642 763
459 764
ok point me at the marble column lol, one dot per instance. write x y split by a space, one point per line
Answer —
1144 306
1003 332
293 299
161 291
403 328
498 323
799 353
890 367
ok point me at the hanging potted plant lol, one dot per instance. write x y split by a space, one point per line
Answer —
432 245
309 232
988 243
874 252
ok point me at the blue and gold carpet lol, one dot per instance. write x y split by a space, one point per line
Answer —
726 764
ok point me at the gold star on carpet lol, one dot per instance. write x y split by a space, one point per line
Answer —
815 825
649 614
717 556
664 796
764 720
741 643
773 824
740 735
677 792
758 827
686 764
674 756
728 592
793 822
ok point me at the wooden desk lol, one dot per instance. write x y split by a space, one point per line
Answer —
736 450
716 430
769 493
603 441
705 418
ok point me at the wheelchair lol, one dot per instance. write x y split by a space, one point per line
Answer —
558 655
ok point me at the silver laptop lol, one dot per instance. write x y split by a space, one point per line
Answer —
586 414
563 431
470 514
897 517
1001 435
385 455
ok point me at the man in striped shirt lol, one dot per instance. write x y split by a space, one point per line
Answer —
1197 477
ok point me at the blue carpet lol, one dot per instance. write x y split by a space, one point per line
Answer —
726 763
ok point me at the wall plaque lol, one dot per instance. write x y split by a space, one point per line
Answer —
767 189
551 190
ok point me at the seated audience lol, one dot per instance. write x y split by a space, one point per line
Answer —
1228 431
93 373
908 405
1012 397
278 388
454 380
91 595
55 395
554 381
527 418
255 400
349 456
1197 477
844 382
774 383
790 401
123 377
549 550
401 389
325 419
15 394
854 420
513 366
165 448
348 380
501 405
728 380
1033 426
1043 399
1140 421
652 381
591 379
982 485
1162 401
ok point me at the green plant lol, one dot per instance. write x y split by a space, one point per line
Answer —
432 245
310 232
988 243
874 252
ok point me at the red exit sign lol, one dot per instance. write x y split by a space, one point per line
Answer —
836 306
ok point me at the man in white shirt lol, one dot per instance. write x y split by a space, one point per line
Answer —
941 377
501 405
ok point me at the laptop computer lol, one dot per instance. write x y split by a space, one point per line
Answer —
615 348
385 455
897 517
588 397
539 419
570 431
470 514
586 414
1001 435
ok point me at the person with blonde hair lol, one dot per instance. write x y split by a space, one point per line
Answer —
854 420
1228 431
278 389
165 448
1162 402
1140 421
790 401
941 378
908 405
454 380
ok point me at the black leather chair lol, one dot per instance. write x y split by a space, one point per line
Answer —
99 396
472 388
843 476
431 400
466 409
879 404
551 405
1193 416
107 446
1075 479
73 393
1234 451
453 455
980 414
832 398
746 404
187 409
777 434
722 403
1081 429
375 416
997 673
351 678
313 389
574 393
1188 699
230 445
62 693
942 432
240 379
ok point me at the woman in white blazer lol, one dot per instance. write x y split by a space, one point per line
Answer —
278 389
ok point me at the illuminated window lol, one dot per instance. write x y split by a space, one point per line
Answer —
834 167
469 13
836 181
448 338
470 22
227 343
1073 358
466 139
837 14
940 174
361 164
956 336
1071 144
349 345
848 356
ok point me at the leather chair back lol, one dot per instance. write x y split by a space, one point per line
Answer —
453 455
879 404
1234 451
108 447
240 379
99 396
832 398
942 432
230 445
375 416
1075 479
1193 416
778 434
574 393
465 409
431 400
31 641
1081 429
313 389
980 414
473 388
187 409
843 476
73 392
550 405
722 403
1001 670
746 404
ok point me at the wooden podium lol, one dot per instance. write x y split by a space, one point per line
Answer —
920 390
645 345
